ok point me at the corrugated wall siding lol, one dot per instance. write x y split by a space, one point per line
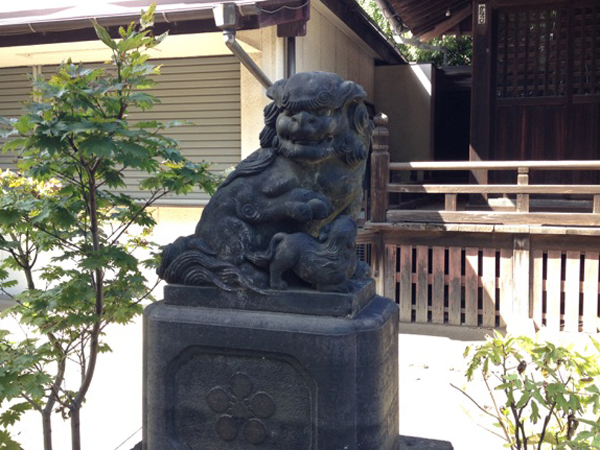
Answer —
204 90
15 87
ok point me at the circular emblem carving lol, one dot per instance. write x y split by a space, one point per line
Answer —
240 409
255 432
226 428
262 405
218 400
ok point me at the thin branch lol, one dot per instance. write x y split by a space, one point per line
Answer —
474 401
5 292
546 422
29 400
155 196
62 240
102 183
491 431
147 294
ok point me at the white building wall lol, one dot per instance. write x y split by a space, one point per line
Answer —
404 94
331 46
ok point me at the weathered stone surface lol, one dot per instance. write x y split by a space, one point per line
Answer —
284 218
219 378
335 304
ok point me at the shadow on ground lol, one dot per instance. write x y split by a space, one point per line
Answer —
415 443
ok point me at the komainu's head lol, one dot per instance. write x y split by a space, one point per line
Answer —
317 115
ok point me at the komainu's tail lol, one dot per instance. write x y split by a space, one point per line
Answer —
189 261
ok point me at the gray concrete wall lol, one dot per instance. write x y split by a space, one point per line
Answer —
404 93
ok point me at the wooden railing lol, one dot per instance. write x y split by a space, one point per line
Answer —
381 187
489 266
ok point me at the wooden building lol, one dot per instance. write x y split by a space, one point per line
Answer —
536 81
514 239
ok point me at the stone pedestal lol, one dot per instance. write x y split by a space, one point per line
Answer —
318 374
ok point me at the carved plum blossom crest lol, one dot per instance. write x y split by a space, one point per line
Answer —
240 409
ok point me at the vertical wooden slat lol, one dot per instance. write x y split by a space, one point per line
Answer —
537 286
570 54
523 180
553 288
596 206
406 283
471 286
454 285
505 69
389 271
421 287
537 45
516 40
581 50
572 271
521 278
526 60
437 288
589 81
557 36
547 52
489 287
506 286
590 293
593 49
450 202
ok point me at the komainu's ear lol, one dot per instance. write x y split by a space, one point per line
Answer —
350 91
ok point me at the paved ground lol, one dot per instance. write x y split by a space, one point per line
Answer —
433 414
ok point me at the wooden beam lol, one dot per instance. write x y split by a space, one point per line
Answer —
455 19
574 219
497 165
495 189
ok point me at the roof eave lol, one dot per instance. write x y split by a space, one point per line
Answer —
350 12
196 19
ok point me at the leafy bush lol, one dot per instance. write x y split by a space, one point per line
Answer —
543 395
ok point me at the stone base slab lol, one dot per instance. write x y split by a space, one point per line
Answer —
233 379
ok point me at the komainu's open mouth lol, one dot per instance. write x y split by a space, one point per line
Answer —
306 142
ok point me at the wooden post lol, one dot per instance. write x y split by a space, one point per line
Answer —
450 202
520 318
596 204
380 172
482 95
523 199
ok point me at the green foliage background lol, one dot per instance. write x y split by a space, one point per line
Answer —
459 49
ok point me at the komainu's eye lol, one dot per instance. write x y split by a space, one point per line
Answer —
324 112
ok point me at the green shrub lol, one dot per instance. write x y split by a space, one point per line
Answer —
543 395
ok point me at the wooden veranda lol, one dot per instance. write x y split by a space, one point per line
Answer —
489 255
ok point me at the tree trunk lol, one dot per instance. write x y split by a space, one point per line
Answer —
29 278
75 431
47 429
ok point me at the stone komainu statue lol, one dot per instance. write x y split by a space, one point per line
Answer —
286 197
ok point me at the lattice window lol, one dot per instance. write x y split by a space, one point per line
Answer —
531 53
586 50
